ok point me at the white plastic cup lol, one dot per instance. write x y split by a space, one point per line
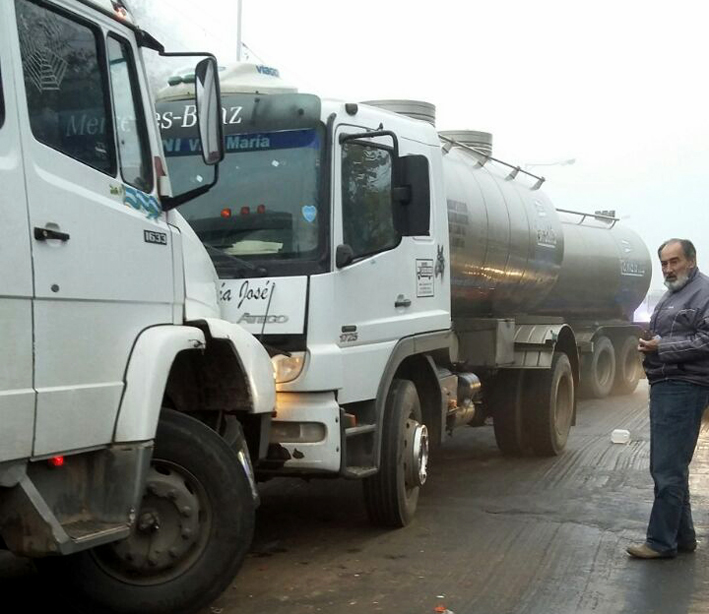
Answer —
620 436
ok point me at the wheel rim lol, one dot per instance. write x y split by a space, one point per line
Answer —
416 448
170 533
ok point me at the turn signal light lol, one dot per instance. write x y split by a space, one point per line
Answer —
56 461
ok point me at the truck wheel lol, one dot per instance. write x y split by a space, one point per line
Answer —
628 366
192 532
391 496
551 397
507 408
598 370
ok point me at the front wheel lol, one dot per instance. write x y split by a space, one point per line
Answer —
391 496
192 532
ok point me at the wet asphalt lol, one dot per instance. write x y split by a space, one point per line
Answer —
493 535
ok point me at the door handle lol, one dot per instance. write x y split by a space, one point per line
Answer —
42 234
402 301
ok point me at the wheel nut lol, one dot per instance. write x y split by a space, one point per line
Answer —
172 495
173 552
152 489
187 511
186 533
152 560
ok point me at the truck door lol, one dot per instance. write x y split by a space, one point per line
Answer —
390 290
16 391
100 244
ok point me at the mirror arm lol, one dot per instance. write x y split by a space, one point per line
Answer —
147 40
171 202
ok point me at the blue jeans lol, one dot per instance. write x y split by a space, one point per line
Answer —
676 410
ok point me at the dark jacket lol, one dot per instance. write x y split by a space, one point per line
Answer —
681 319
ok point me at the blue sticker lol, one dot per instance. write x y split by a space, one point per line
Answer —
142 202
310 212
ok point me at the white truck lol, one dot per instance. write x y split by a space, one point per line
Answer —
405 282
130 410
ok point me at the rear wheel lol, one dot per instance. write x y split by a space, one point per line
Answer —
391 496
598 370
192 532
507 407
628 366
551 398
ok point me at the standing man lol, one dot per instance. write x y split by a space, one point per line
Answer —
676 362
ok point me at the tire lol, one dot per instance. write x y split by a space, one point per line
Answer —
390 497
551 395
192 461
628 366
598 370
507 408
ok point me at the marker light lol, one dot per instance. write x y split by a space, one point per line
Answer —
245 211
56 461
226 212
261 209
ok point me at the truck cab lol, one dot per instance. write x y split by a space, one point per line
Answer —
108 374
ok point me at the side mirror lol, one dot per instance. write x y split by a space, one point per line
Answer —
208 111
343 255
411 196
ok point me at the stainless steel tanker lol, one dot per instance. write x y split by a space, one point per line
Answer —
513 253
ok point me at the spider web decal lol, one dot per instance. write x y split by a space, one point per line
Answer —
40 44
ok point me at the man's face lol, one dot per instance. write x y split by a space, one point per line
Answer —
676 267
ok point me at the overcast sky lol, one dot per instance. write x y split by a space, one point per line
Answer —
621 86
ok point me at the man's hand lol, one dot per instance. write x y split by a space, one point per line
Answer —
648 347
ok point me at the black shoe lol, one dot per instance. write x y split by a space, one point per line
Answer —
688 547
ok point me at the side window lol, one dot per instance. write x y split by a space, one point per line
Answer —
131 132
67 88
367 219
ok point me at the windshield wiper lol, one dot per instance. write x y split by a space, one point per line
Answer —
222 259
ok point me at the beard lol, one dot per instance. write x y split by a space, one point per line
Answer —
677 284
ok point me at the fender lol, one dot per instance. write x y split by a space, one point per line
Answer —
535 345
254 360
148 369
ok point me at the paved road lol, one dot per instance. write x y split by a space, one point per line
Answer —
492 535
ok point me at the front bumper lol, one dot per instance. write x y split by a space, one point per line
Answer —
305 435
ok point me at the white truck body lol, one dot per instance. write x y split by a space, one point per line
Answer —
100 330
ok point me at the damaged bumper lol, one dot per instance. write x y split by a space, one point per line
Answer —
305 435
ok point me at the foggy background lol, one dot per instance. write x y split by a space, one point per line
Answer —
621 88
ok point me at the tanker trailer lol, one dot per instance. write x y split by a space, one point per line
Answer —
605 275
586 269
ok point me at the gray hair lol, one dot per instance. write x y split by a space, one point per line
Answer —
690 253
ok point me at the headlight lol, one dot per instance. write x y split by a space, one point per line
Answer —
287 368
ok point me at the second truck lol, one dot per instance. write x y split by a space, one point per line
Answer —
405 283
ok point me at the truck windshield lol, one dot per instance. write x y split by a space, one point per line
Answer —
266 205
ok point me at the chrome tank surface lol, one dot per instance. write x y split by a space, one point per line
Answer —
506 238
605 273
